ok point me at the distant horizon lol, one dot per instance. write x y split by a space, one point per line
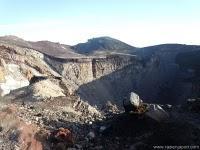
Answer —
139 23
100 37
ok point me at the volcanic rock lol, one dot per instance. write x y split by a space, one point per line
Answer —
132 102
62 135
156 112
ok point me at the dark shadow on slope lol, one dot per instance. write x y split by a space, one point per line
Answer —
112 87
126 131
116 86
161 83
122 131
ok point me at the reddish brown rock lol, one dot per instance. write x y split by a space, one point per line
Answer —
15 129
62 135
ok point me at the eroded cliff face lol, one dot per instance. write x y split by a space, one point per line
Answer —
78 70
84 70
18 66
109 64
160 80
99 80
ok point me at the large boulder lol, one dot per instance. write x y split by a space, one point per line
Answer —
132 102
156 112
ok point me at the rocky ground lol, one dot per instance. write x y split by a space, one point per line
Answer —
69 123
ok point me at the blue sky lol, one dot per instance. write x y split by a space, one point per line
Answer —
137 22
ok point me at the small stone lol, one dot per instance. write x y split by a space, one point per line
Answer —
156 112
169 106
190 100
29 122
91 135
36 119
90 122
1 140
31 107
39 115
78 146
1 129
102 128
17 147
65 114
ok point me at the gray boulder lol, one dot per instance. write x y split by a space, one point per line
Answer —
132 102
156 112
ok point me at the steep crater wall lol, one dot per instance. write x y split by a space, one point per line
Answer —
84 70
99 80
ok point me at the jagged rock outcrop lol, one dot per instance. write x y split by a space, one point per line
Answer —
156 112
78 70
11 79
19 65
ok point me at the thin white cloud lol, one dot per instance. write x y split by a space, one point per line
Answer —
135 33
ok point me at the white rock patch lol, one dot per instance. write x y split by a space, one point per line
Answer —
45 89
13 79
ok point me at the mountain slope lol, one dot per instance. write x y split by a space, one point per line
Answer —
45 47
103 45
147 52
